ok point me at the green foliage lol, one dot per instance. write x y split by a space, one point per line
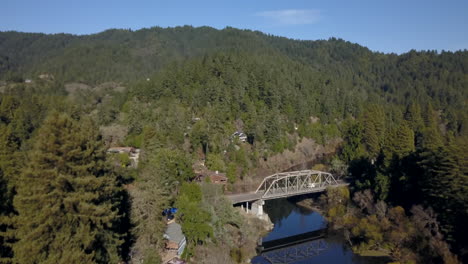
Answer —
319 132
172 166
194 219
338 167
430 135
151 193
414 117
66 171
124 159
336 200
200 135
223 215
353 148
374 128
241 158
402 119
134 141
192 192
215 162
21 113
231 172
152 257
401 142
445 185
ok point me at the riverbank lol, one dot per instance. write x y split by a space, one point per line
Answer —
291 221
310 204
235 238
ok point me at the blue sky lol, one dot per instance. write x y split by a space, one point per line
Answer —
382 25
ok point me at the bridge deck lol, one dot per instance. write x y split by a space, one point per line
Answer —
244 197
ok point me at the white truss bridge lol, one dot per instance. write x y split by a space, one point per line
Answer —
287 184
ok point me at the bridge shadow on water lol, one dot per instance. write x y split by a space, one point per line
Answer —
294 248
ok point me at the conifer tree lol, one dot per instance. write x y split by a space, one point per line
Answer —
66 198
401 142
353 147
371 139
9 168
374 128
446 186
431 138
414 117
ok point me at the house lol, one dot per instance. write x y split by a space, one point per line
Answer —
240 135
218 178
202 172
175 238
121 150
133 153
214 176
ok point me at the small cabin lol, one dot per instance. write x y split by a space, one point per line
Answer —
218 178
133 153
240 135
175 239
122 150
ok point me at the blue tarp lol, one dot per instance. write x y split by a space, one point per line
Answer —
169 211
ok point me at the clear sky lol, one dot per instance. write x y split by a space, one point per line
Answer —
382 25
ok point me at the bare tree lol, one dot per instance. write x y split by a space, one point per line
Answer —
365 201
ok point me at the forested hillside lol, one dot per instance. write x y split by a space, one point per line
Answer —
179 94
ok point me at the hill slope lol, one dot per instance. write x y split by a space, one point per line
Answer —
130 55
403 119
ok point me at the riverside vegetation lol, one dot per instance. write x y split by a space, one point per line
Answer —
178 94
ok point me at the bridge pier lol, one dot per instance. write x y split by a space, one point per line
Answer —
257 207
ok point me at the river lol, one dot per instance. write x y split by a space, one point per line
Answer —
292 220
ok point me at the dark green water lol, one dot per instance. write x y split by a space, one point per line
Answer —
290 220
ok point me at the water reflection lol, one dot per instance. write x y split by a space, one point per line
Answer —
292 220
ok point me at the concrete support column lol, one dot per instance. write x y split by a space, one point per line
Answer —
257 207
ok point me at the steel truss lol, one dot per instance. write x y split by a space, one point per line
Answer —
294 183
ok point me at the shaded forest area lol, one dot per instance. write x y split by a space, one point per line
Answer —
179 94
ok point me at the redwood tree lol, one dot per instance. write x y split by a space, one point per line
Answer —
67 200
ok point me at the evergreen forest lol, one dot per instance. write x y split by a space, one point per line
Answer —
398 126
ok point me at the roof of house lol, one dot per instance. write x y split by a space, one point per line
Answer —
218 177
239 134
123 149
174 233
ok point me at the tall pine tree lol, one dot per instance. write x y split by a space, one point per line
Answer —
67 200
